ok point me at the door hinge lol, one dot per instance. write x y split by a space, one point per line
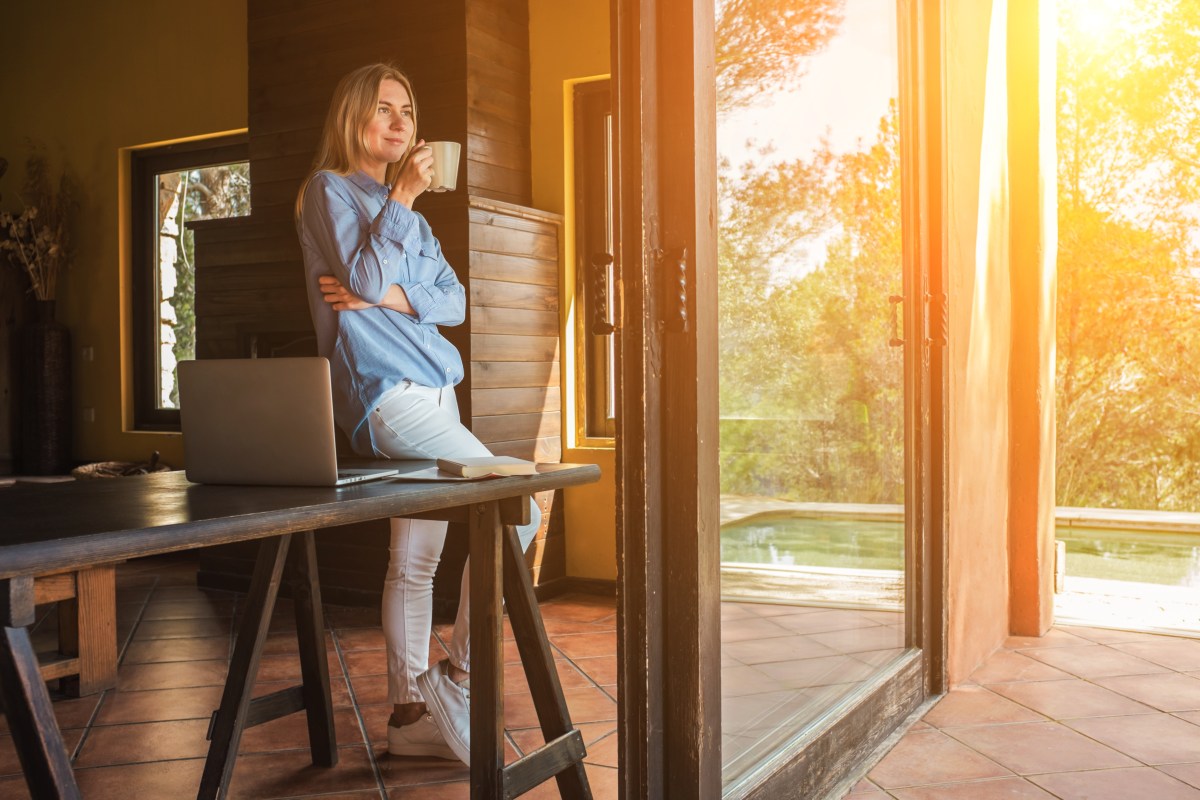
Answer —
604 314
673 266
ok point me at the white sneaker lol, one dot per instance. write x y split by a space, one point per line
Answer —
420 738
450 706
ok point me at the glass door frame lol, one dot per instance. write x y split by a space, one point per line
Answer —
668 484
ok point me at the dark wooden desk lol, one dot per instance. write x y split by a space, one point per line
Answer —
69 526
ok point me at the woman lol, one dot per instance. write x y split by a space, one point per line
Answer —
378 287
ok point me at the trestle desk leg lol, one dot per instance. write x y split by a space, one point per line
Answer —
230 718
31 721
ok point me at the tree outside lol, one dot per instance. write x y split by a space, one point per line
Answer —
191 195
1128 405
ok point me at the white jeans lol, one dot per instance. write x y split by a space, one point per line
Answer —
412 421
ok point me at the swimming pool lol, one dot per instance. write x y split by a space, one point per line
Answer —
1168 559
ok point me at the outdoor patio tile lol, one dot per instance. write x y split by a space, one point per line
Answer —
1106 635
742 681
1069 699
787 648
1167 692
865 790
1034 747
975 705
1150 738
147 741
264 776
1053 638
879 658
859 640
159 705
808 672
155 779
931 757
1007 667
752 628
1178 654
1188 773
824 621
993 789
1095 661
1116 784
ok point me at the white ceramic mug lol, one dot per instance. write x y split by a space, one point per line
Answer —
445 165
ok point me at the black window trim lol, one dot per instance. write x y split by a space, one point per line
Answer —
145 164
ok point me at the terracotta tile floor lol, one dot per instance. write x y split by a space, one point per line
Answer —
1079 714
146 738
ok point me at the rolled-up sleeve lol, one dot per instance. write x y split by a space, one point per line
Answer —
441 301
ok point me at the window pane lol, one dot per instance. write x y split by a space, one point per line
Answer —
811 393
213 192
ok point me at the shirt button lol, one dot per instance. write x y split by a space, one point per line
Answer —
385 261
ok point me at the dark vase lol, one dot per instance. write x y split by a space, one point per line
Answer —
43 389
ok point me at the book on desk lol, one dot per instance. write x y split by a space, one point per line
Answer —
487 466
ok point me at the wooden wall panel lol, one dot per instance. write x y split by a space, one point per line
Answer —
469 63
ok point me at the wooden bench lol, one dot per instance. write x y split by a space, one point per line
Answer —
86 660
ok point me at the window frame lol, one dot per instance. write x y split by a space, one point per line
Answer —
145 164
595 222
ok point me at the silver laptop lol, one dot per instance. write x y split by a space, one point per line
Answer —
261 421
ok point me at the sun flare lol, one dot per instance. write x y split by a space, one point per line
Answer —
1094 22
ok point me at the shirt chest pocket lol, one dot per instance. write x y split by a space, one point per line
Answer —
421 266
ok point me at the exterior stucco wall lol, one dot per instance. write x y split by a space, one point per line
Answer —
980 331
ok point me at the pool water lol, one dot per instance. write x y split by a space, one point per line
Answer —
1169 559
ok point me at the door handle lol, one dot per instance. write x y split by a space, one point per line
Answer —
600 322
896 300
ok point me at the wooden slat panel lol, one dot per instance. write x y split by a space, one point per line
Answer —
518 269
250 304
499 215
546 450
481 123
494 347
513 374
504 294
508 427
520 322
491 180
490 402
501 154
505 239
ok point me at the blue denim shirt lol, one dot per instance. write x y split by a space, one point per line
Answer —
350 229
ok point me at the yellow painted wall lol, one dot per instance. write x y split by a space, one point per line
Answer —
980 330
85 79
569 42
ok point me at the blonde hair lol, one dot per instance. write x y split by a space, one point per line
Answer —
343 145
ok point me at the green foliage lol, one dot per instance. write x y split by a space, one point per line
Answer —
811 395
1128 288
